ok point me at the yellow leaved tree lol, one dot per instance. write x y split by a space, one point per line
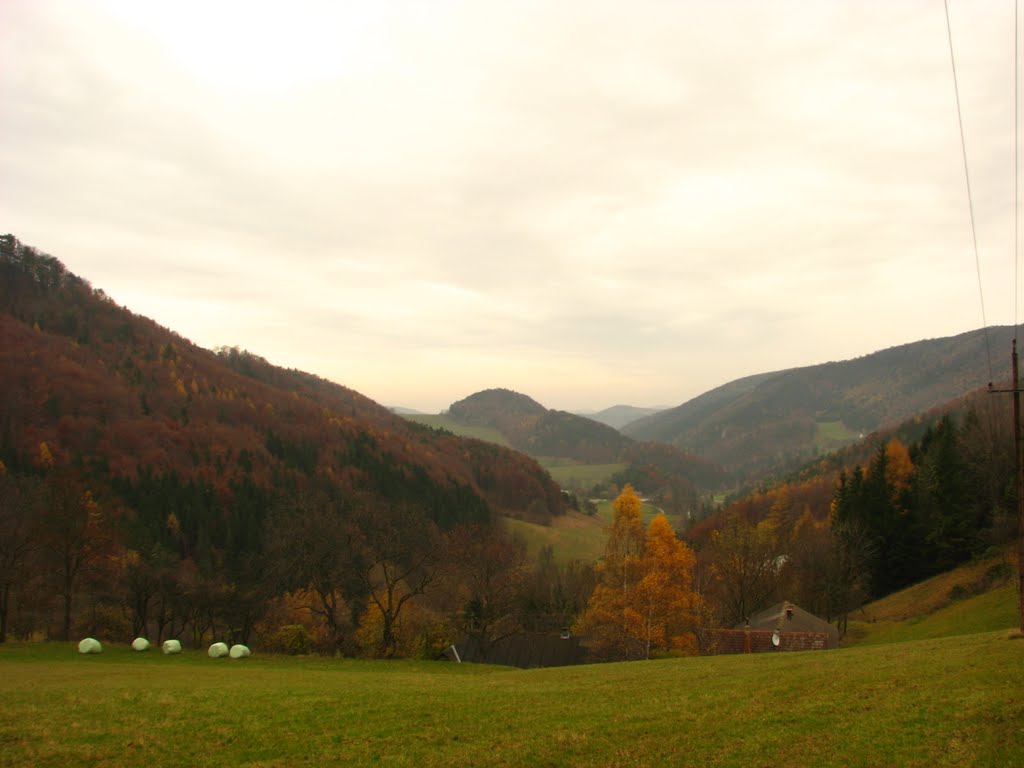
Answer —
645 603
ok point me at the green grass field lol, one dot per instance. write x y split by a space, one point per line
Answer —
580 476
980 596
947 702
834 431
573 536
992 610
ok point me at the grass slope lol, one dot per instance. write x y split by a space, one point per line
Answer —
833 433
977 597
573 475
948 702
997 609
573 536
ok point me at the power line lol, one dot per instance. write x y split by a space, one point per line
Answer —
970 197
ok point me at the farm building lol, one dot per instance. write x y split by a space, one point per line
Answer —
787 617
783 627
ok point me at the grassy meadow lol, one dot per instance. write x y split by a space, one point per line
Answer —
831 432
944 702
979 613
571 475
574 535
980 596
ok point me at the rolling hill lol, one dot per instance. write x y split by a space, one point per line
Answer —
531 427
657 469
769 423
619 416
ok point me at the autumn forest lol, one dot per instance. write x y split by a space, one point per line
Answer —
151 487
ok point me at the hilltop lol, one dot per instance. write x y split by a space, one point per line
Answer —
531 427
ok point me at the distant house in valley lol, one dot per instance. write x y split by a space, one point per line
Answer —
783 627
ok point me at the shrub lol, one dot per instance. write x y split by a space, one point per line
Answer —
292 639
996 574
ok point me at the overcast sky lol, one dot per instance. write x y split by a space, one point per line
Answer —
588 202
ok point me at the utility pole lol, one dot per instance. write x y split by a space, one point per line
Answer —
1018 467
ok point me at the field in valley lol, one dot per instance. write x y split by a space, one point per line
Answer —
574 535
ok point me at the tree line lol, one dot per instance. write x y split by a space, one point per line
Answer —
316 567
317 570
930 495
309 568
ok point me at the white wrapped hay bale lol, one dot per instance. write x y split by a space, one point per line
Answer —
90 645
172 646
140 644
218 650
240 651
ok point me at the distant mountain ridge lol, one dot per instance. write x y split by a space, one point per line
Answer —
770 422
618 416
530 427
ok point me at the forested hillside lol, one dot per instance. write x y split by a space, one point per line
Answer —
904 504
531 427
151 486
673 476
170 473
769 423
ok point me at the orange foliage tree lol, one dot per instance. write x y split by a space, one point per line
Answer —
899 469
645 602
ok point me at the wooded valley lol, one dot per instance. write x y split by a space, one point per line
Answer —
151 487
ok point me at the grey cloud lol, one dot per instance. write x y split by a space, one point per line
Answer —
624 187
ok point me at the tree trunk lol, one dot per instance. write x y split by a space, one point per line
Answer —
69 584
66 629
388 636
5 602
